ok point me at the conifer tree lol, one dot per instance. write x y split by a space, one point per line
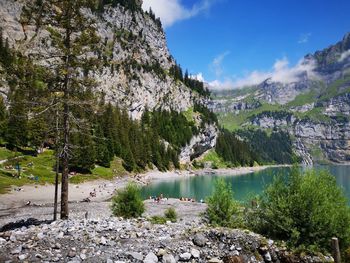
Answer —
74 37
17 127
103 155
3 118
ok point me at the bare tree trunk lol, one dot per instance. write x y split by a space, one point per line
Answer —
57 170
65 164
66 128
336 250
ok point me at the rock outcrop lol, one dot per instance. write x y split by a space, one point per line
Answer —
133 43
199 144
310 136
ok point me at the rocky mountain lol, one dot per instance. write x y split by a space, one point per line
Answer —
135 74
133 43
314 108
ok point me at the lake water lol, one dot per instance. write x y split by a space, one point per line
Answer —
244 186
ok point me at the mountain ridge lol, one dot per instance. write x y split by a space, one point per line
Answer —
317 106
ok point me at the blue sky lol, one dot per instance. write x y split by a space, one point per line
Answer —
235 42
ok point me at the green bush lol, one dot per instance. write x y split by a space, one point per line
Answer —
306 210
128 202
222 209
170 214
158 220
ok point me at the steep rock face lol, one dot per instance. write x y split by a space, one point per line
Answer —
281 93
326 66
232 106
136 63
133 43
333 137
338 105
200 144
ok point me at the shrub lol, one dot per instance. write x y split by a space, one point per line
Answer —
308 210
158 220
222 209
128 202
170 214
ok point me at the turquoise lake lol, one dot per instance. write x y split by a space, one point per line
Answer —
244 186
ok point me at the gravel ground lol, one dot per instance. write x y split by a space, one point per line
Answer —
187 211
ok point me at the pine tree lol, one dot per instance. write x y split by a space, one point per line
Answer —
17 127
3 118
128 159
74 43
103 155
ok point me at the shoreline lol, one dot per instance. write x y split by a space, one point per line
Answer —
104 189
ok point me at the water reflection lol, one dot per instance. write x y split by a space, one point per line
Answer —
244 186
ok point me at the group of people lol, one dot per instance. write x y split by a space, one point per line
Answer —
183 199
158 198
93 193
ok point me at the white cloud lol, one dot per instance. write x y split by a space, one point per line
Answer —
171 11
216 65
280 72
344 55
304 38
198 77
221 85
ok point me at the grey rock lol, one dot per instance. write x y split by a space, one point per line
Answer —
151 258
40 235
185 256
22 257
169 258
13 238
195 253
17 250
72 254
199 240
267 257
214 260
103 241
136 255
39 256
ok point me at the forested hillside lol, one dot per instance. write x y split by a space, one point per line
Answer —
100 130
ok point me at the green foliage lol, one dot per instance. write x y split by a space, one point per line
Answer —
222 209
306 210
207 115
128 202
233 150
213 157
159 220
234 122
275 148
176 72
128 4
170 214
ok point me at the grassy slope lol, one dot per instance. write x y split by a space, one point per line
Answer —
234 122
214 158
42 167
